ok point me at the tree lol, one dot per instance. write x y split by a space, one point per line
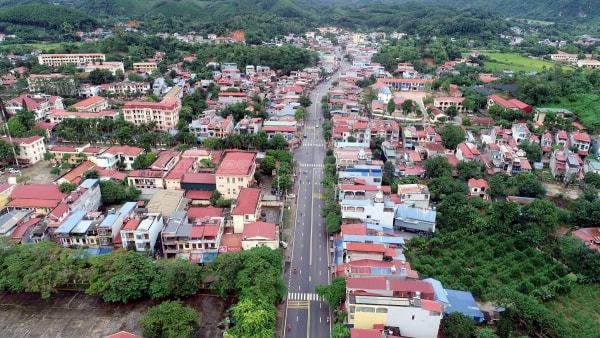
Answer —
451 111
593 179
92 173
529 186
268 164
340 331
55 171
300 113
23 179
6 150
120 276
469 169
487 333
333 223
452 135
278 142
170 320
532 150
143 161
175 278
67 187
116 193
437 166
498 183
458 325
391 106
255 317
407 106
304 101
335 293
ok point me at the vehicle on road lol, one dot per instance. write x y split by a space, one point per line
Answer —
291 196
305 136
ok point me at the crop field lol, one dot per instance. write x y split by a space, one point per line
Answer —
577 305
516 63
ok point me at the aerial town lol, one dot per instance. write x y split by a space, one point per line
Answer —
369 149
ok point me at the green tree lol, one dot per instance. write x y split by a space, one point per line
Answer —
268 164
593 179
170 320
532 150
335 293
92 173
451 111
278 142
304 101
407 106
487 333
452 135
143 161
300 113
391 106
120 276
55 171
437 166
469 169
529 186
499 184
340 331
255 317
458 325
116 193
175 278
67 187
333 223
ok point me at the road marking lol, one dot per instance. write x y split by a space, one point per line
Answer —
309 279
317 195
312 213
304 296
298 305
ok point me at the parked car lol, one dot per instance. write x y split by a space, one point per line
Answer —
291 196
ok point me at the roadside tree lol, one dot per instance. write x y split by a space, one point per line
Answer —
170 319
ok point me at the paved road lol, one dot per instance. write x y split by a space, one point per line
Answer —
306 314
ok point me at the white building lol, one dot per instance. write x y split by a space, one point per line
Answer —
31 149
369 211
141 232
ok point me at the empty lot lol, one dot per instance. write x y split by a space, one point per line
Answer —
75 314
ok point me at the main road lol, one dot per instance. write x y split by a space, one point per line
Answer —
306 314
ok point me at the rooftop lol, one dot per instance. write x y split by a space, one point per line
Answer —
236 163
247 201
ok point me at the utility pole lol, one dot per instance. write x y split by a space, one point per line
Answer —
3 111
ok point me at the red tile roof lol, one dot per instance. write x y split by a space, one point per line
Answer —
182 167
32 203
78 171
478 183
247 201
201 178
125 150
199 195
59 210
236 163
431 305
132 224
37 191
88 101
211 230
123 334
168 103
365 333
365 247
210 211
22 228
260 229
354 229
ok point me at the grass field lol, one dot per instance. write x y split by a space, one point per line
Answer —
580 308
515 62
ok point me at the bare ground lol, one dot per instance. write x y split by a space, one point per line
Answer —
75 314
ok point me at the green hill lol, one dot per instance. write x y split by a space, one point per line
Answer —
50 17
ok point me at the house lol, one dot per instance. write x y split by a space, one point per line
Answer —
236 171
12 220
405 307
246 208
118 156
478 187
41 104
126 88
563 57
512 104
384 94
566 166
361 174
260 234
416 195
466 151
463 302
194 235
362 192
41 198
580 143
561 138
92 104
546 142
165 114
590 237
140 233
73 154
59 115
520 132
227 98
109 230
374 210
591 164
198 187
444 103
248 125
211 125
144 67
173 178
419 220
31 149
39 83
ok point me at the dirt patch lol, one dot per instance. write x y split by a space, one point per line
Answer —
557 190
75 314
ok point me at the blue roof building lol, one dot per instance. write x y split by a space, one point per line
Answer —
463 302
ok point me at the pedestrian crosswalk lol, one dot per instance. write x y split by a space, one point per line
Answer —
302 296
311 165
308 144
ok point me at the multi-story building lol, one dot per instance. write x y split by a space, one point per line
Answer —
40 83
246 208
109 230
566 166
164 113
236 171
227 98
59 115
580 143
374 210
520 132
405 307
362 192
416 195
361 174
467 151
117 157
194 235
248 125
92 104
211 125
140 233
512 104
444 103
112 66
563 57
31 149
126 88
55 60
41 104
144 67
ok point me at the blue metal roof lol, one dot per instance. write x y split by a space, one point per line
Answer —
357 203
374 239
71 222
408 212
438 288
463 302
385 90
109 221
127 208
89 183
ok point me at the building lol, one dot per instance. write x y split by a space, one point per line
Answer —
114 67
212 125
126 88
566 166
588 64
165 114
227 98
375 211
140 232
580 143
144 67
118 157
246 209
39 83
444 103
563 57
248 125
59 115
236 171
92 104
31 149
41 104
467 151
405 307
416 195
109 230
512 104
361 174
55 60
41 198
479 188
260 234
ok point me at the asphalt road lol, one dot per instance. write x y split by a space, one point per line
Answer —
306 314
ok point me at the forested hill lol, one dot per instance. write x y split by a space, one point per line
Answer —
586 11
